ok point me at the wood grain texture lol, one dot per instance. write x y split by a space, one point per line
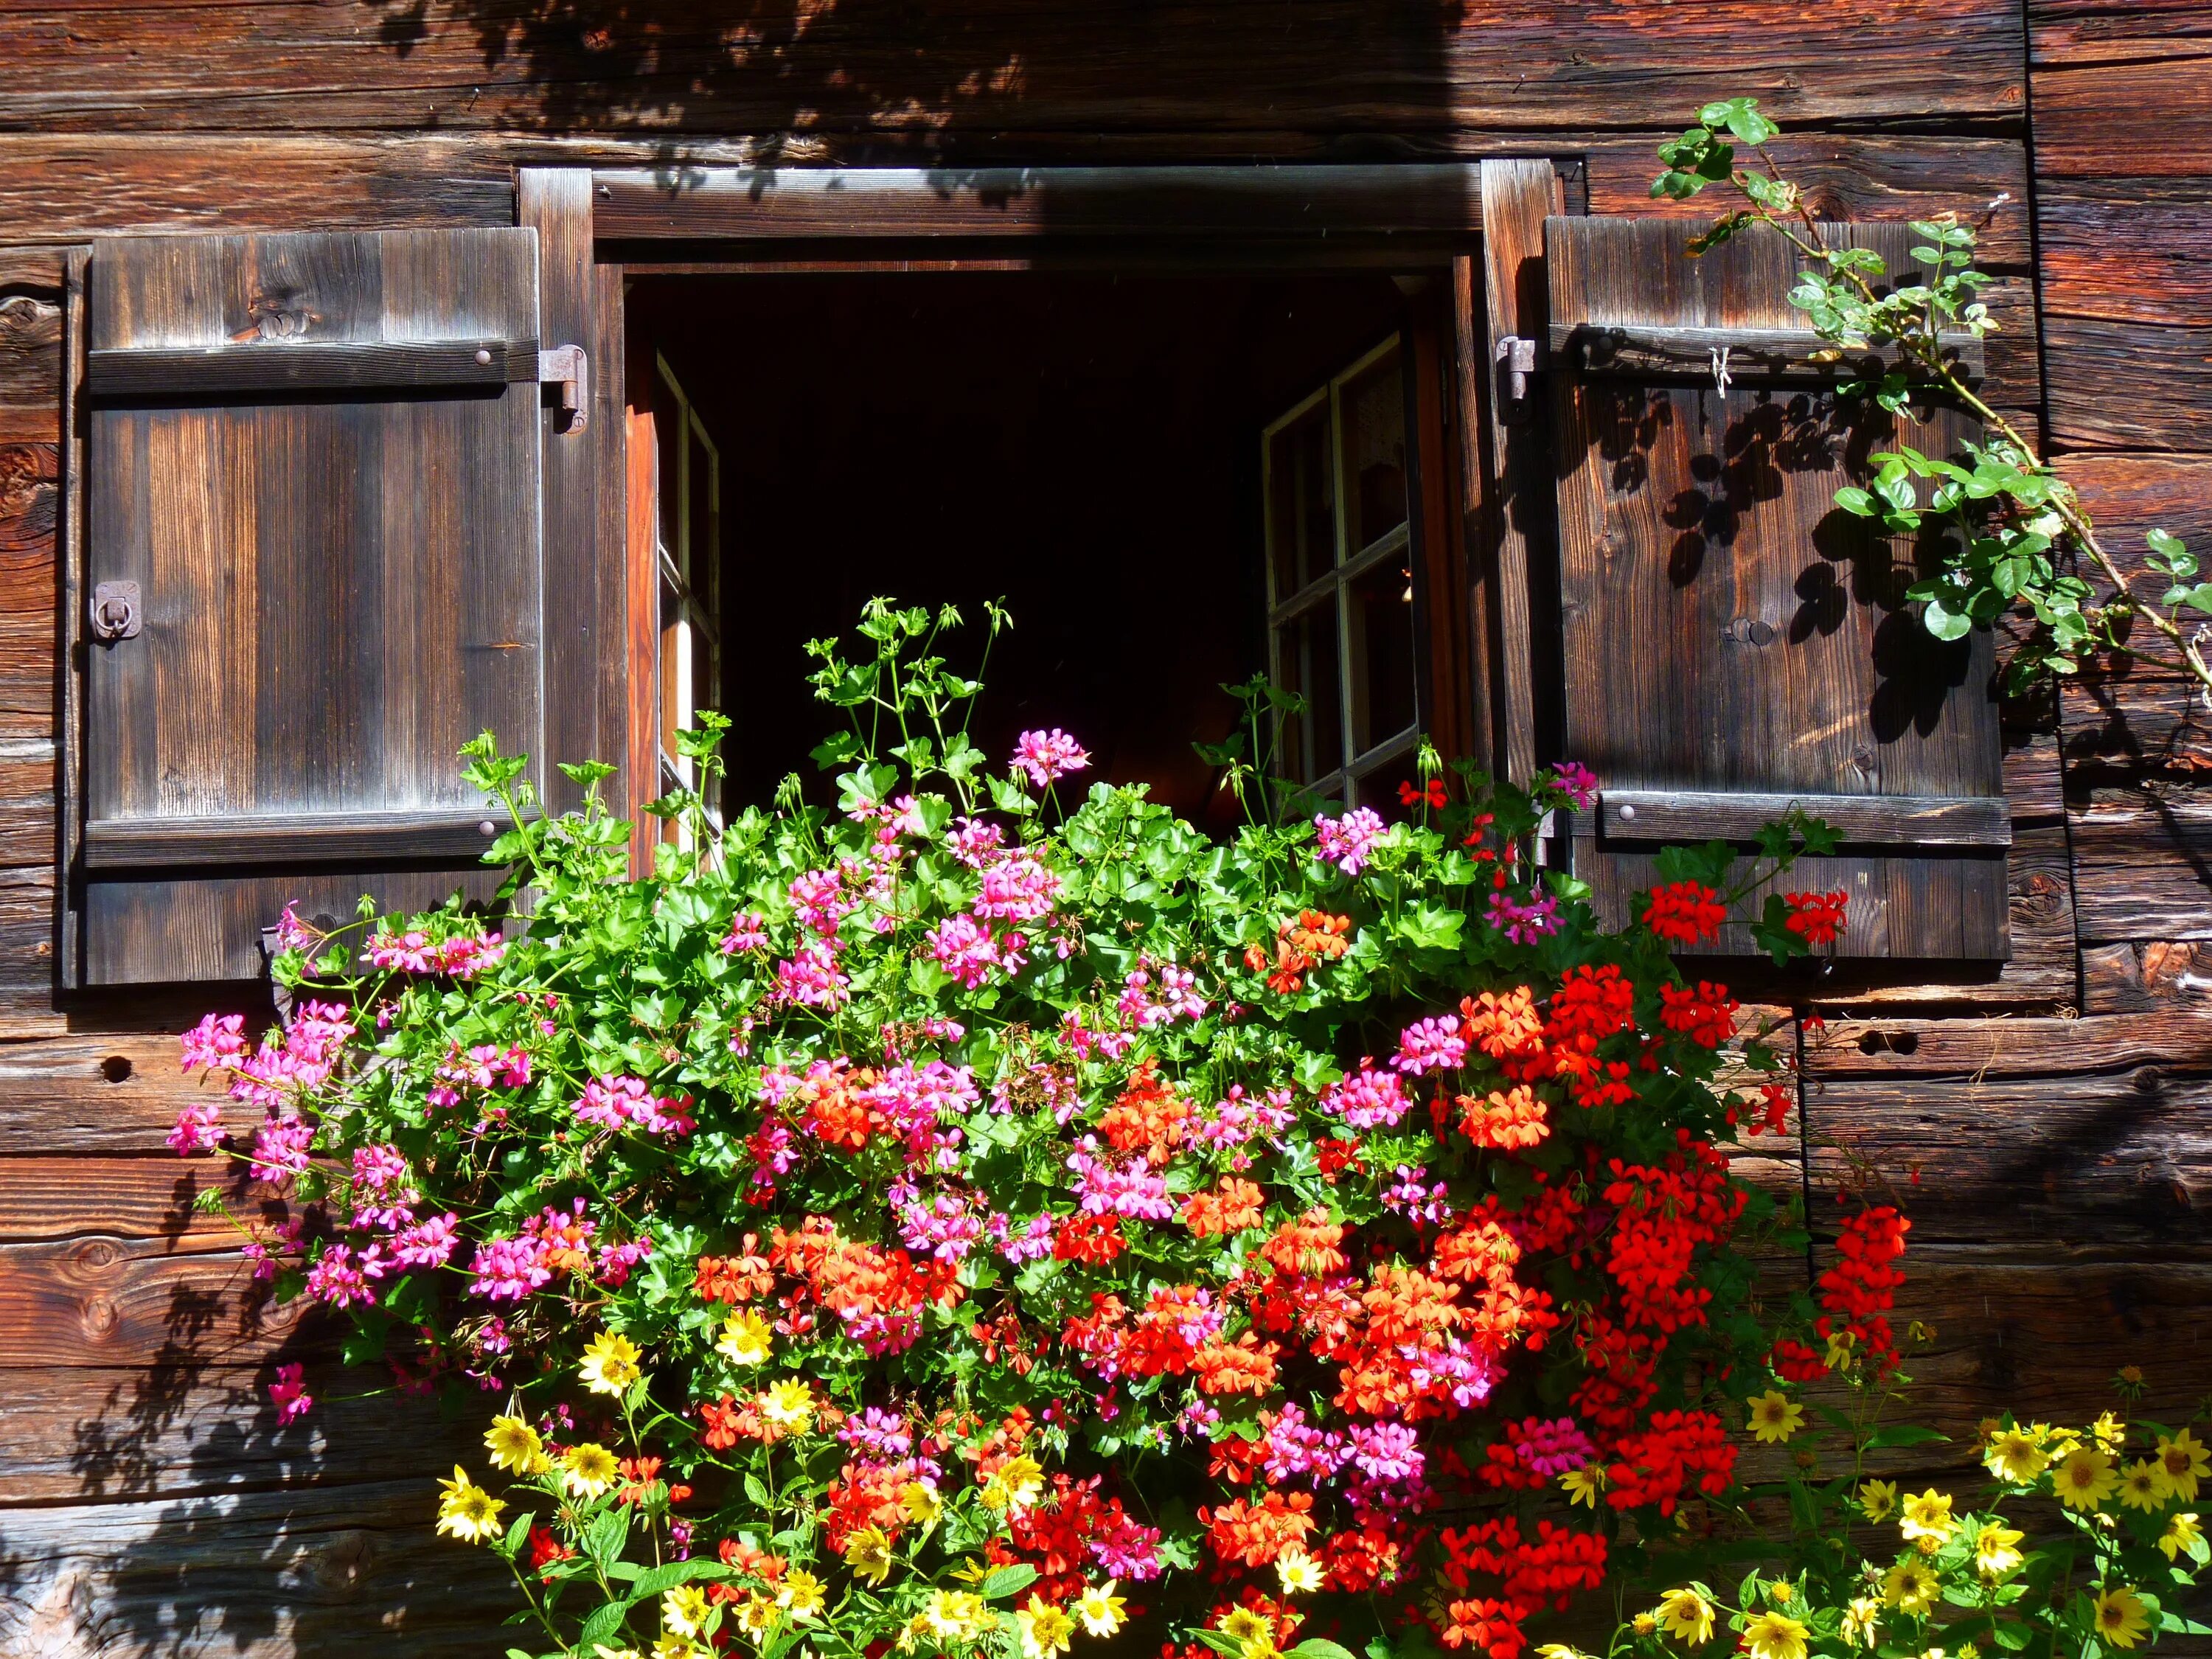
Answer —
294 838
128 1303
72 1435
1980 1048
1754 356
49 1199
338 591
113 1092
1728 628
1651 815
2144 117
2142 863
247 1575
2129 385
2159 975
2127 249
2109 1161
1514 563
867 66
204 371
2074 32
586 715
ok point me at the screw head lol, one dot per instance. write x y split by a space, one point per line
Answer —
483 355
1628 814
487 828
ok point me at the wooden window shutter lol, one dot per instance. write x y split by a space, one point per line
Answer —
1733 643
311 571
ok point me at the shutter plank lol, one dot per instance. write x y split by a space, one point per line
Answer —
1729 631
338 589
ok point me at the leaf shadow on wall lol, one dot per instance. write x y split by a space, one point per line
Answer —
909 79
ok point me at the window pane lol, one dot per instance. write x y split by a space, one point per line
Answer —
1374 414
1302 505
1381 631
668 465
700 553
1312 743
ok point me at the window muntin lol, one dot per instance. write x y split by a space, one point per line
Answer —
1341 627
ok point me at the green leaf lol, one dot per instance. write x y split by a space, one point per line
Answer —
1945 623
603 1623
2166 542
1009 1581
655 1580
1852 499
2199 598
517 1535
1318 1647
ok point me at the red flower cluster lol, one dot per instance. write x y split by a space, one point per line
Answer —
1816 918
1857 1293
1685 911
1678 1449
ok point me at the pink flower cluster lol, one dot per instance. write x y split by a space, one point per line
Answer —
1349 842
464 956
1046 757
615 1103
1368 1099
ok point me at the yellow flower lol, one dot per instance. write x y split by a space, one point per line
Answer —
1774 1635
1910 1587
2013 1456
1584 1484
2143 1485
747 1338
683 1609
800 1594
2120 1616
2182 1535
1781 1592
1244 1625
2084 1477
588 1470
514 1446
1045 1629
1101 1611
1687 1616
610 1363
601 1650
2184 1462
1024 1479
1840 1347
466 1510
1645 1623
1997 1549
673 1646
919 1503
1774 1416
1560 1651
868 1552
1860 1618
2109 1432
955 1615
756 1614
788 1404
1299 1572
1878 1499
1928 1515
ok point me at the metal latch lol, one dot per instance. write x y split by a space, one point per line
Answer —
565 367
1517 358
115 610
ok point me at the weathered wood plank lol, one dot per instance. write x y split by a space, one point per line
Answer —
248 1576
204 371
2144 978
72 1435
2142 863
1321 65
2108 1162
2145 117
122 1304
2007 1048
2041 1333
297 838
2129 385
2137 725
1642 815
2074 32
117 1092
2127 249
53 1199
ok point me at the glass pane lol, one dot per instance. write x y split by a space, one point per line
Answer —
1301 503
1374 414
703 551
1381 631
1312 743
675 674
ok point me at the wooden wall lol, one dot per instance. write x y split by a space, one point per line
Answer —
2049 1131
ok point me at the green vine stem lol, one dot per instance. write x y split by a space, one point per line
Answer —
2012 505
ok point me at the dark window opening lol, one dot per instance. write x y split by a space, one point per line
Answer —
1106 453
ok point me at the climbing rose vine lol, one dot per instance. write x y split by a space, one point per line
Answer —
981 1214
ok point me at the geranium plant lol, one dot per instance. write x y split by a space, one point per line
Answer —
975 1215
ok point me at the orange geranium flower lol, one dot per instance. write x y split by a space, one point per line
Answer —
1506 1120
743 1277
1256 1532
1245 1366
1230 1208
1306 1245
1149 1115
1503 1025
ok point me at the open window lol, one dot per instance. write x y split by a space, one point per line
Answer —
1107 453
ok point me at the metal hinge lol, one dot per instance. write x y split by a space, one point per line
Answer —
115 612
1517 358
565 368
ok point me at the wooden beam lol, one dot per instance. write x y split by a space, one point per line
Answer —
1422 206
290 838
1755 356
205 371
1677 815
